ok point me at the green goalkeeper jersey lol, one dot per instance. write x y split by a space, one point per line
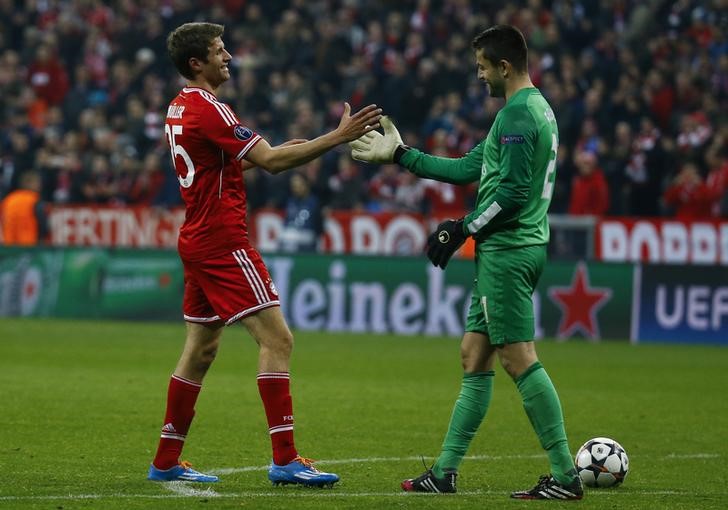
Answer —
516 166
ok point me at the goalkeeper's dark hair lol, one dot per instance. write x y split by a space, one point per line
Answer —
191 40
503 42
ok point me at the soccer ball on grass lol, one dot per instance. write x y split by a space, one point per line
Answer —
602 462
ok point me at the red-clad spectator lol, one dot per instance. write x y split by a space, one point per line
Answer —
716 158
410 194
687 94
448 200
96 53
660 97
36 108
695 131
383 188
346 187
688 194
700 30
48 76
589 189
421 17
717 185
415 49
98 14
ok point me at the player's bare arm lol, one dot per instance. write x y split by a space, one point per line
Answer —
280 158
247 165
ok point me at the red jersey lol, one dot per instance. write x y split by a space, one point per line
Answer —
207 143
589 194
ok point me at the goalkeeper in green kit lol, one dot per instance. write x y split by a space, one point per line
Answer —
515 166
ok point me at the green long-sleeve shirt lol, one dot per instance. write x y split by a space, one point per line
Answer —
516 166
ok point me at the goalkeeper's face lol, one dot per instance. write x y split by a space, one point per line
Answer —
491 74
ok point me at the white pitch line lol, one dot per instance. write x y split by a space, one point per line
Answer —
245 469
692 456
324 493
183 489
228 471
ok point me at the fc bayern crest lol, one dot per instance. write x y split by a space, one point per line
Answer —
242 133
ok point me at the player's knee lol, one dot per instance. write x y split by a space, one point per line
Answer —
510 367
204 359
516 358
508 362
287 342
476 358
208 355
467 359
282 343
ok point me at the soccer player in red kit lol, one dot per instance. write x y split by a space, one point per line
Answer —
225 278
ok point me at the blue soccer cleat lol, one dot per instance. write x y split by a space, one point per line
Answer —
180 473
300 471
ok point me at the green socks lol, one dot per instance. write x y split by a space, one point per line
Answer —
543 408
467 415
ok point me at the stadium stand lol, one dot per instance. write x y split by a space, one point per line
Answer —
640 90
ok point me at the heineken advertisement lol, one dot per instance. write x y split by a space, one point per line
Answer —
369 294
90 283
409 296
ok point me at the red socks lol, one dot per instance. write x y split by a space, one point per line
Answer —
275 392
181 397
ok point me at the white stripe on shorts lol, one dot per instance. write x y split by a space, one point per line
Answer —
255 279
248 311
190 318
249 276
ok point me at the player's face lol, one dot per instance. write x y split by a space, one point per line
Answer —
215 70
491 74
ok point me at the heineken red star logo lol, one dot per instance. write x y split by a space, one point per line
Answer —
579 304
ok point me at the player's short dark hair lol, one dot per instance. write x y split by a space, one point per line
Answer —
191 40
503 42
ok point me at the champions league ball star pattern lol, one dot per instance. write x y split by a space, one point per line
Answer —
602 462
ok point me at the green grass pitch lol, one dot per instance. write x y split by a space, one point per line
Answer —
81 404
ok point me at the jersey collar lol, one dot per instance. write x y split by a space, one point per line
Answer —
187 90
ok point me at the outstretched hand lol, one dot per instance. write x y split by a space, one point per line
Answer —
373 147
365 120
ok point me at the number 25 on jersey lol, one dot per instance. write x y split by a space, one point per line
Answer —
177 150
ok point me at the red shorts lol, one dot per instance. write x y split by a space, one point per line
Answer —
227 287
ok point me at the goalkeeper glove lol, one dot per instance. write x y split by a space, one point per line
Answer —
373 147
445 241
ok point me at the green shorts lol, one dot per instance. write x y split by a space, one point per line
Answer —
504 283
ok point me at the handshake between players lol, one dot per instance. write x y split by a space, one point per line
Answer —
375 147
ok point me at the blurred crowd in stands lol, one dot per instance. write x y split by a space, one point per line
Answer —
639 88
